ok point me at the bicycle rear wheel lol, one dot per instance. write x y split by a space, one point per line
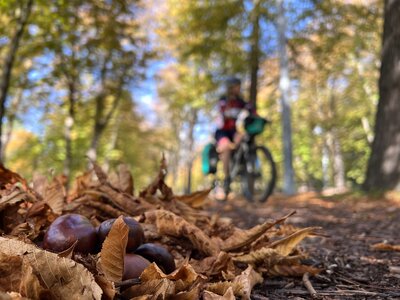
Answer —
259 178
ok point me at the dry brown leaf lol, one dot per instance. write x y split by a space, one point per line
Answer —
113 251
241 285
68 252
266 256
229 295
9 177
127 203
64 277
292 270
30 285
213 265
385 247
195 200
159 289
242 238
247 280
193 294
107 287
171 224
12 198
286 245
184 277
125 179
54 195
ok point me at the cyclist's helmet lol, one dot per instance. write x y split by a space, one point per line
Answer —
232 81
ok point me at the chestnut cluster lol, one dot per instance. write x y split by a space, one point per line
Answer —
71 228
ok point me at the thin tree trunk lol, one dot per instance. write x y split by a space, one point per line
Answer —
255 53
9 63
68 127
383 171
338 170
101 118
190 157
284 86
15 102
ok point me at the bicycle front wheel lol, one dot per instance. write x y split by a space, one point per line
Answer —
259 178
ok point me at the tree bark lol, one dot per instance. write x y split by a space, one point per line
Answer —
383 171
254 53
9 63
101 118
284 87
190 158
68 127
15 103
338 174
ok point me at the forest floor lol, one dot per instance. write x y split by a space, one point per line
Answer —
351 269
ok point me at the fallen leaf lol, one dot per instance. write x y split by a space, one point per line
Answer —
159 289
13 197
247 280
125 179
113 251
228 295
171 224
292 270
107 286
385 247
241 238
54 195
184 277
266 256
195 200
64 277
286 245
9 177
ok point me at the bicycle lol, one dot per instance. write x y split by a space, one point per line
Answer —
252 168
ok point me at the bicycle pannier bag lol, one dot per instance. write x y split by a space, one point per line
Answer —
254 125
209 159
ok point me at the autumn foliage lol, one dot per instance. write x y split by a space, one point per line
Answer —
214 259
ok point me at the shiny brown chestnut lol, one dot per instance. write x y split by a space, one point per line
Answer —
67 229
134 265
135 236
159 255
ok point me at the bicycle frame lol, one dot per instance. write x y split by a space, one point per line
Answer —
240 155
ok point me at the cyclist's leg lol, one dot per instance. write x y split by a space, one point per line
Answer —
224 148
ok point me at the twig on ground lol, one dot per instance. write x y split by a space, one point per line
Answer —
308 285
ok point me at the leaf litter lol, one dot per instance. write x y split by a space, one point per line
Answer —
214 258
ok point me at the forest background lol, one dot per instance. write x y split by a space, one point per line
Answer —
126 80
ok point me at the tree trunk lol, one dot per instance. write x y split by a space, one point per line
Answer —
9 63
383 171
338 174
284 87
101 118
190 157
12 113
68 127
254 53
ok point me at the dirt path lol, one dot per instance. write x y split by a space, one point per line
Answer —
352 270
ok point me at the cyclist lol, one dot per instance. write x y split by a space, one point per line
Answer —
230 107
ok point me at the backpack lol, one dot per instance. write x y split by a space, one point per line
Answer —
209 159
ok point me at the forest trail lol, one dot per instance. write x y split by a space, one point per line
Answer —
352 269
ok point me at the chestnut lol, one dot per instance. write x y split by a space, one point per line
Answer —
134 265
66 229
159 255
135 236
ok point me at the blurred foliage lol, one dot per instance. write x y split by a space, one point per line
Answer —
106 48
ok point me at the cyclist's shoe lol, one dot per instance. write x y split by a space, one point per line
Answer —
219 194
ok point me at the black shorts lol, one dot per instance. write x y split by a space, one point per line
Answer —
221 133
